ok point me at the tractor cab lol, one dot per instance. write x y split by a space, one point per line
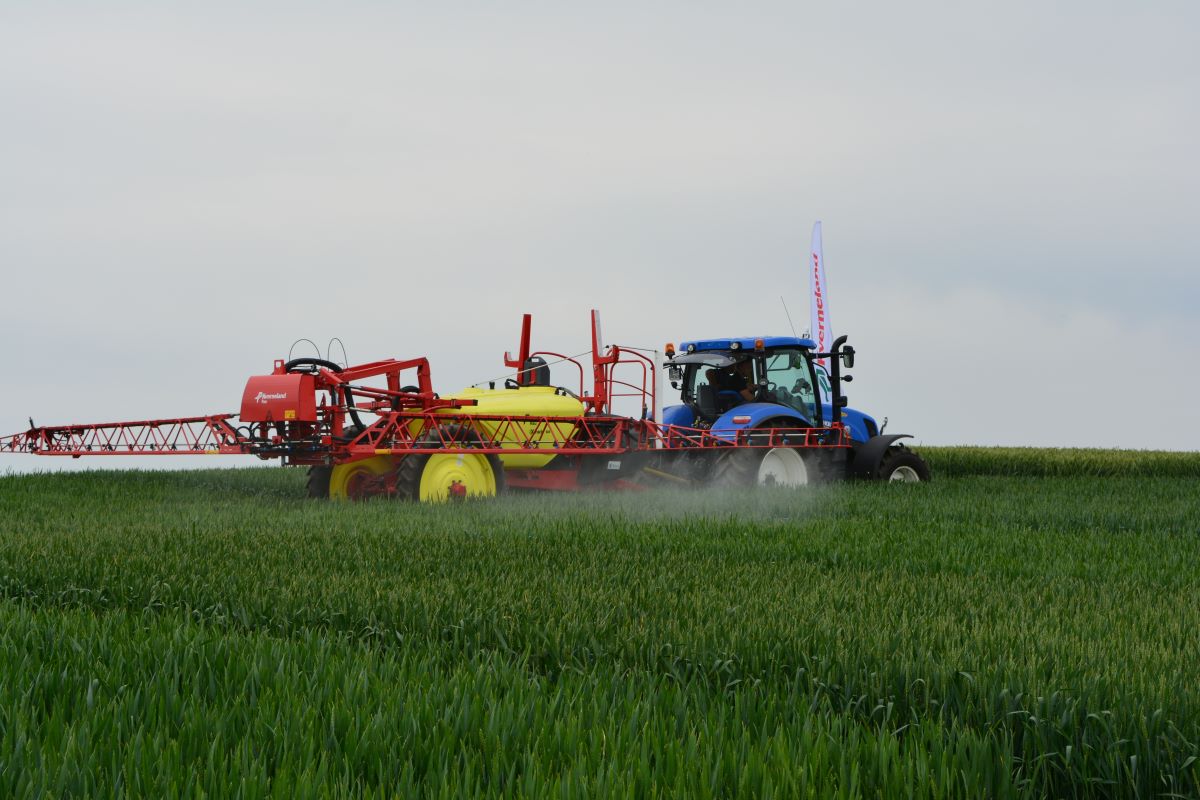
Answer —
785 379
717 376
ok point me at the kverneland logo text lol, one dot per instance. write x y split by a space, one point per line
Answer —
820 301
263 397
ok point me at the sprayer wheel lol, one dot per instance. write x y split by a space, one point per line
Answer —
318 482
345 479
438 477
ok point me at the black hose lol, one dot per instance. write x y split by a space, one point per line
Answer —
311 362
347 395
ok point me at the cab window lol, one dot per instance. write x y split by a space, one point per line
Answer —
789 382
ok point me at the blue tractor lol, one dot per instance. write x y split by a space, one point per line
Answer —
740 388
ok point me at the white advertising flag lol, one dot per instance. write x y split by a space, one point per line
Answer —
821 331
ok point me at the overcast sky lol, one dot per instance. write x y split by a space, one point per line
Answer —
1009 194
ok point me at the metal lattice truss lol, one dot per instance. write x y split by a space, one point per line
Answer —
211 435
401 433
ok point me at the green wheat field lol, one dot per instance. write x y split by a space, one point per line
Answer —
1026 625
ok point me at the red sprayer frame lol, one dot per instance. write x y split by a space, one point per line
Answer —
321 423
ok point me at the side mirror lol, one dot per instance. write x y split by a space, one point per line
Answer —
847 378
848 356
674 384
676 375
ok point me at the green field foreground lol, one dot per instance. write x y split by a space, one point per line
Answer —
1027 625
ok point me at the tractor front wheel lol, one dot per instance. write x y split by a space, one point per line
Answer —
902 465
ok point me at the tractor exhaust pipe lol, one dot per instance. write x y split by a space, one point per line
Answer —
839 400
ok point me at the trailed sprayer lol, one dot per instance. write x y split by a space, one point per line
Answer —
747 416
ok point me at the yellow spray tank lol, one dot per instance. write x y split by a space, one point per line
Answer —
523 401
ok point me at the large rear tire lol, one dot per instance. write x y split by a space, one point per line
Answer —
903 466
734 469
783 466
777 466
745 467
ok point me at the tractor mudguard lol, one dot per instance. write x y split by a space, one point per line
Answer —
679 415
868 454
751 415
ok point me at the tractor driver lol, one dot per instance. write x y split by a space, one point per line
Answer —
732 379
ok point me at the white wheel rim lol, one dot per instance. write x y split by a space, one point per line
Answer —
905 474
782 466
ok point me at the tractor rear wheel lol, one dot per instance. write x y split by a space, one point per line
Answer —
777 466
734 468
902 465
437 477
742 467
782 466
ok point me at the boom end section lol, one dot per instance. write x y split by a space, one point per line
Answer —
211 435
